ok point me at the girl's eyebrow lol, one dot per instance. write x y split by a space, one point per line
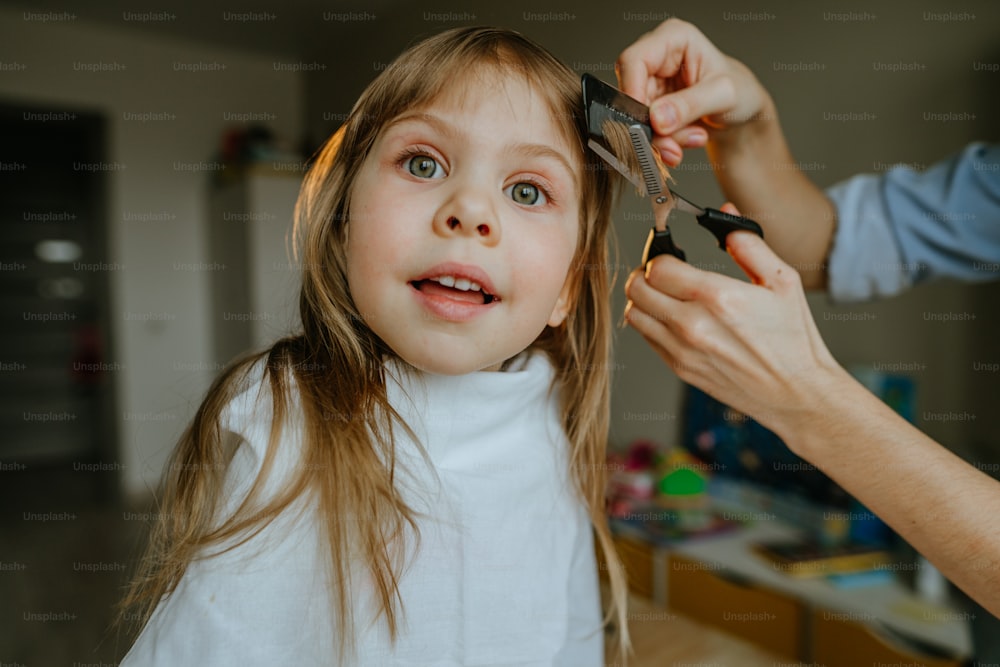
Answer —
545 152
447 129
439 124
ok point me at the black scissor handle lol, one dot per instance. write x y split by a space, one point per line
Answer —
720 224
660 242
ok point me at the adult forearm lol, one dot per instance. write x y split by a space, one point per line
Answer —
757 172
754 346
945 508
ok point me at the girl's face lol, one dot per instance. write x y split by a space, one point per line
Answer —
463 224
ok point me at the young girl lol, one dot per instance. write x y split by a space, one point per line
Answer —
416 478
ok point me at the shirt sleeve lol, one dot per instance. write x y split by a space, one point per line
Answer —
905 227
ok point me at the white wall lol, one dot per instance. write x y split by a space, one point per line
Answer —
160 296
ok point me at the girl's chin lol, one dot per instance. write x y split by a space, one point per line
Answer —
450 364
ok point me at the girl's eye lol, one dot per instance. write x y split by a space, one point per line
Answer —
527 194
423 166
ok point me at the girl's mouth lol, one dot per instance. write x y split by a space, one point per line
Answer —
457 289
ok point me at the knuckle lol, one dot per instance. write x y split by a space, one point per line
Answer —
724 303
713 296
659 271
692 331
629 282
654 272
636 288
726 86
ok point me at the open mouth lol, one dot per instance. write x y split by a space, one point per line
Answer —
457 289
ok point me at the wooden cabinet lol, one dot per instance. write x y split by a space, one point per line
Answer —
771 620
720 583
846 643
638 560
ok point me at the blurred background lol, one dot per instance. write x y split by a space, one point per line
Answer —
150 160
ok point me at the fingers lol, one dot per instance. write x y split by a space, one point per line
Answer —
756 258
681 333
658 54
693 136
672 277
649 298
692 88
702 99
653 330
671 148
670 151
651 317
676 50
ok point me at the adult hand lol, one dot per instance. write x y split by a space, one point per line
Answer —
753 346
693 89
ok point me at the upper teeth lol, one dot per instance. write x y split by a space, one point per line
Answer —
458 283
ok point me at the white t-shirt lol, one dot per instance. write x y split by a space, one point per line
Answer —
504 573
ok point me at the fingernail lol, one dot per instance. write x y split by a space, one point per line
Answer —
664 115
697 140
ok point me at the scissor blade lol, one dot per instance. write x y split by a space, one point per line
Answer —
615 163
686 206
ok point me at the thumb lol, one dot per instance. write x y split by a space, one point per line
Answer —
757 259
679 109
753 255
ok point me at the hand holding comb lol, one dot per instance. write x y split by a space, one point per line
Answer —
620 133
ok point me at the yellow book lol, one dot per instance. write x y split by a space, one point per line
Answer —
806 559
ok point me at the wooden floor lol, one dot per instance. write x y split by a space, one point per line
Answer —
66 551
661 638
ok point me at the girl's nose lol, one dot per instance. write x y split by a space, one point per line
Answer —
454 224
469 211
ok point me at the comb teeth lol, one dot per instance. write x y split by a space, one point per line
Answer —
651 177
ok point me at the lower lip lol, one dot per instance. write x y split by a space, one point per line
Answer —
450 310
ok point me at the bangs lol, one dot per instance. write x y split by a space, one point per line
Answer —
452 60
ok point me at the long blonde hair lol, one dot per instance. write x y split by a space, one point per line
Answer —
336 364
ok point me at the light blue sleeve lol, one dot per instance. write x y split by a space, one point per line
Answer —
904 227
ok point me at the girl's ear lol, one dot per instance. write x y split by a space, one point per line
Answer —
565 301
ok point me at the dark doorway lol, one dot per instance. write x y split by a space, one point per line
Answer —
56 388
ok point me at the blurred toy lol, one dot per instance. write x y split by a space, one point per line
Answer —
682 489
633 477
648 475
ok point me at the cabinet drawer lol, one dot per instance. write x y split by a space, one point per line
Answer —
840 643
639 563
766 618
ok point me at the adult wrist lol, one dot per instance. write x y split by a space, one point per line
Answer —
824 411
